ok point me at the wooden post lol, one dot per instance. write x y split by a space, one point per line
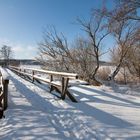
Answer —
1 97
1 113
64 87
33 73
51 79
19 71
1 108
24 70
71 96
5 93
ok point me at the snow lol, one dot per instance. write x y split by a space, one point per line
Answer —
30 66
102 113
4 73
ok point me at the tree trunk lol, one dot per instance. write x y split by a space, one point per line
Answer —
94 81
125 76
111 78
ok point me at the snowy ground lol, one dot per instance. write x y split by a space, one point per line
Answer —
102 113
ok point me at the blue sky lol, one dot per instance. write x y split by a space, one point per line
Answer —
22 21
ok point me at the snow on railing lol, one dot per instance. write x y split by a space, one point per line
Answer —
4 73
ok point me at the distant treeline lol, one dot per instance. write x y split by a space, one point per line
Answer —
20 62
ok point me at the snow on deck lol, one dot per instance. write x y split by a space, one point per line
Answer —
100 114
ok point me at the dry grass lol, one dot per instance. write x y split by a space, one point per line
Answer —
103 73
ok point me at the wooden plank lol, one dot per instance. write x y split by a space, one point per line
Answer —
20 72
56 83
5 93
42 79
64 87
1 97
4 81
71 96
1 113
51 79
33 73
64 74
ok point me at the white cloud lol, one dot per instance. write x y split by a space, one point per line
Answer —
24 52
21 51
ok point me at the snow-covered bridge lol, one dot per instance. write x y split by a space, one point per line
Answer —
101 113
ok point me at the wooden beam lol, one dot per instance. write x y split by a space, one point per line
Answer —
33 73
64 87
51 79
5 94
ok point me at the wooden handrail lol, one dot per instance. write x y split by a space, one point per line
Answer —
63 74
4 88
61 87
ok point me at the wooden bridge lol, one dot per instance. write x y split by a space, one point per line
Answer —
58 81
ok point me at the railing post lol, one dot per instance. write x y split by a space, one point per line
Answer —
33 73
1 97
5 93
64 87
19 71
51 79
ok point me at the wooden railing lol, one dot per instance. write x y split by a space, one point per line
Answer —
4 80
61 85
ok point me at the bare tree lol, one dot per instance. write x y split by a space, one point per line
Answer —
54 50
55 47
123 32
125 10
97 30
133 57
123 22
6 54
83 61
56 54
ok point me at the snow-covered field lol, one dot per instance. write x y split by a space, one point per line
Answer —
102 113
